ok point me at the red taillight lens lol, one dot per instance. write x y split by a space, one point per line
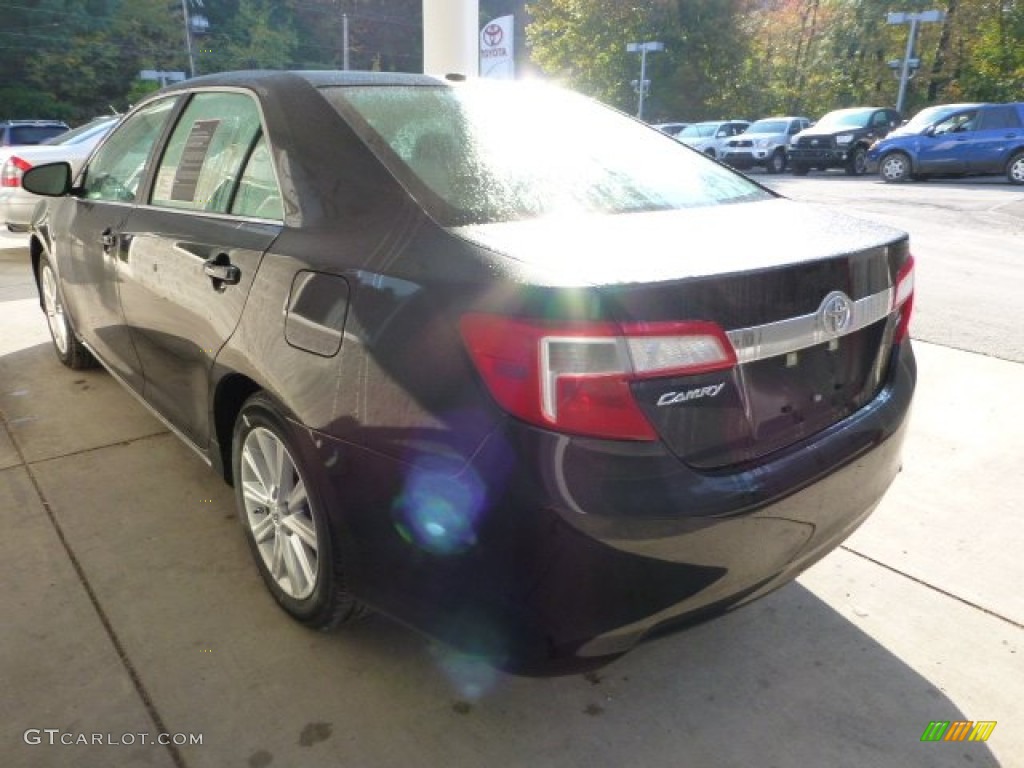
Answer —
13 170
575 377
903 299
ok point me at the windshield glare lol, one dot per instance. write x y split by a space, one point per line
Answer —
928 117
489 152
767 126
845 119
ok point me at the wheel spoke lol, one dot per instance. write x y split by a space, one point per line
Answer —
267 452
263 528
297 499
277 557
303 528
256 492
300 569
252 447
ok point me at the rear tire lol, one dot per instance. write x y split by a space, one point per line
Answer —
1015 169
895 168
70 351
290 536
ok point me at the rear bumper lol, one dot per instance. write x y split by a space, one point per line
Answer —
16 209
549 554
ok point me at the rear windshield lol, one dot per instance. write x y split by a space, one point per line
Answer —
34 134
488 152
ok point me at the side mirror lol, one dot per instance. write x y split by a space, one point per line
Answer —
929 131
48 180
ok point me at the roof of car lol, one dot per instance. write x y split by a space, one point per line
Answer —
316 78
35 122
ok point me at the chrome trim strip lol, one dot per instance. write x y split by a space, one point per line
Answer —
760 342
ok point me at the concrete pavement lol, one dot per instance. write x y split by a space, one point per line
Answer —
131 607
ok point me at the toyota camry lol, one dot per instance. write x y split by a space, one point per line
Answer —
534 392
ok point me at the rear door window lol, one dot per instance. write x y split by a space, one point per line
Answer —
258 194
201 167
996 118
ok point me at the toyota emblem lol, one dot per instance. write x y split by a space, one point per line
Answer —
836 313
493 34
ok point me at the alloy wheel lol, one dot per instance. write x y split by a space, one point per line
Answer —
54 310
277 508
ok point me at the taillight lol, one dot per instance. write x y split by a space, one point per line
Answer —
575 377
13 170
903 299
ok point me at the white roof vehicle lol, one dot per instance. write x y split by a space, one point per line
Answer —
709 137
74 146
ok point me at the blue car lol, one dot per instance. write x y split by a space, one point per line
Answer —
954 139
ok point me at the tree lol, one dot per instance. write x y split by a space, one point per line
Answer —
259 35
583 43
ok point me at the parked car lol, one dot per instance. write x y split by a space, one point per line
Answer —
16 204
764 143
971 139
841 140
670 128
20 133
710 137
352 295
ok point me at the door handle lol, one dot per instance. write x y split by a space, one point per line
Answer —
108 240
222 271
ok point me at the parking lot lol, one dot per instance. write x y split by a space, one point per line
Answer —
132 608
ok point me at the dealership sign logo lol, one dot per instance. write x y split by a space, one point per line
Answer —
493 35
958 730
497 49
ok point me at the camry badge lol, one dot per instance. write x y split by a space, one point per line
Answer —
671 398
836 313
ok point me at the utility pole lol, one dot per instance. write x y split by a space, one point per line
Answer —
905 66
644 83
188 38
344 41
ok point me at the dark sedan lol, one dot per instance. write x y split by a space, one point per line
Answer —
530 391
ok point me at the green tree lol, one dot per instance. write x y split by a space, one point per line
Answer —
259 35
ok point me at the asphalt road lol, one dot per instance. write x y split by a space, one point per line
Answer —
967 236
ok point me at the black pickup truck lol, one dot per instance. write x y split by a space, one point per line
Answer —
841 140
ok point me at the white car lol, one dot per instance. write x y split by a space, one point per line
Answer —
710 137
16 205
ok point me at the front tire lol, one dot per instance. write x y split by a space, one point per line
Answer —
777 162
858 162
70 351
1015 169
895 168
289 534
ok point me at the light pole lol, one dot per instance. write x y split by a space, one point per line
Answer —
642 49
913 19
188 39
